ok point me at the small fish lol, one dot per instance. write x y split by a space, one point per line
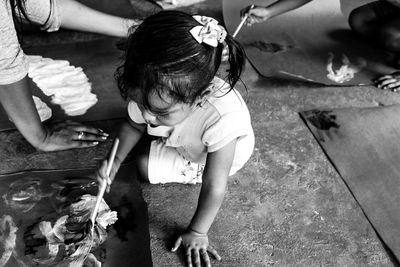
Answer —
23 195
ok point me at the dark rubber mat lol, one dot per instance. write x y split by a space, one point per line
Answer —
363 145
299 44
31 197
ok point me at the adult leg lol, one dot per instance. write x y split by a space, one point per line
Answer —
379 23
390 36
390 39
364 21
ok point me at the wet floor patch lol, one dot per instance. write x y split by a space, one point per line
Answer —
270 47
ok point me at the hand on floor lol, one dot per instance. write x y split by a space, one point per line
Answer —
67 135
196 248
389 82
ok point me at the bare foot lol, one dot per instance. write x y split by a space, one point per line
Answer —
389 82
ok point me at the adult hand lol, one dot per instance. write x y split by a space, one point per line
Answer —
67 135
101 173
196 244
256 14
389 82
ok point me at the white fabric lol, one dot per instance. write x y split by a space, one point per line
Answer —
13 64
67 85
210 32
176 169
42 108
221 119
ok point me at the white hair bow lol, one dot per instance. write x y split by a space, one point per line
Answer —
208 32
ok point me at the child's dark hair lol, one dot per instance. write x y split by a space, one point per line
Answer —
163 57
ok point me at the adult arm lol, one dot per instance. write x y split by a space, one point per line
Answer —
77 16
16 99
259 14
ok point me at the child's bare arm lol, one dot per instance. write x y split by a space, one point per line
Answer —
129 134
213 187
215 177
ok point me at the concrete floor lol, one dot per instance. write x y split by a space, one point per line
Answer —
286 207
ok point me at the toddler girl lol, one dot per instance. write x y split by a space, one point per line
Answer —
201 122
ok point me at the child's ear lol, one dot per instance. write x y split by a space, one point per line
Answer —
203 97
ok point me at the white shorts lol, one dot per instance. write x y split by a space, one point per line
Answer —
166 165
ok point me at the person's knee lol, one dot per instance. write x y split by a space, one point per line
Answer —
358 19
390 37
142 163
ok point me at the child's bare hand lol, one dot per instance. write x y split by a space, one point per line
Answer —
256 14
101 173
196 247
389 82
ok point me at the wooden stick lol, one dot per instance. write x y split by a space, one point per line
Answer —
104 184
242 23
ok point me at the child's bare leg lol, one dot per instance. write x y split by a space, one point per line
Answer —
142 164
77 16
141 154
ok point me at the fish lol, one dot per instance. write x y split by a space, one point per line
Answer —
23 195
65 241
